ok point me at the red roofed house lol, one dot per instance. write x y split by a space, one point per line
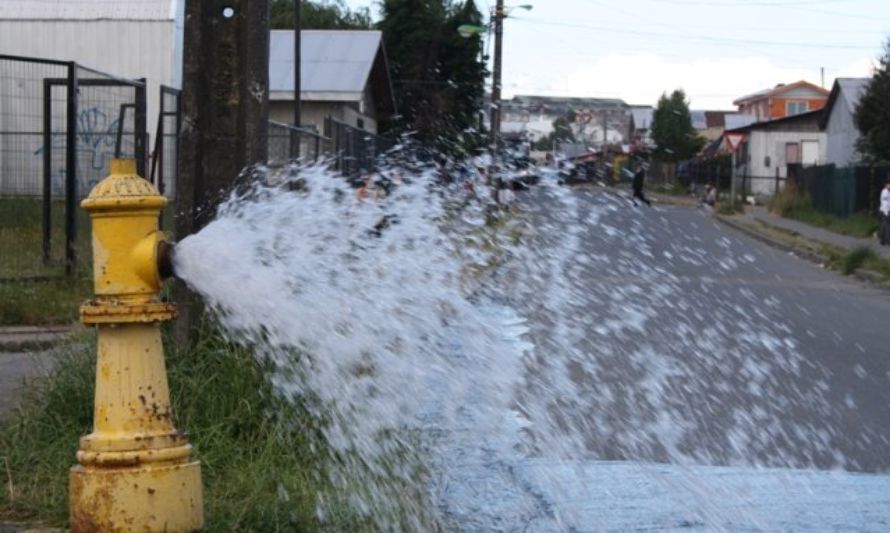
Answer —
783 101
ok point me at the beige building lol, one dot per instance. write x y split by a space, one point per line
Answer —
344 75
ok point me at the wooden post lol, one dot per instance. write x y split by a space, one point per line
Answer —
225 115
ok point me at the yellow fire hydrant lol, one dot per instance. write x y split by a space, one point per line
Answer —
136 472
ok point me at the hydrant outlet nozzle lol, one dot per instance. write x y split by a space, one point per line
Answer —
165 259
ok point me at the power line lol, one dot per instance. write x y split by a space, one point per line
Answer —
687 36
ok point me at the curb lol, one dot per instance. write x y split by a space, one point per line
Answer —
868 277
754 234
33 338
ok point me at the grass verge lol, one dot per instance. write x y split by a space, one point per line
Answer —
44 302
262 456
791 204
838 259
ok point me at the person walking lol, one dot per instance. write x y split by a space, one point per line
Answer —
637 185
885 214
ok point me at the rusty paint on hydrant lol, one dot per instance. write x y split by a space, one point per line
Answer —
135 470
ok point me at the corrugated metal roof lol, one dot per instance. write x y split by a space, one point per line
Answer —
335 64
852 90
88 9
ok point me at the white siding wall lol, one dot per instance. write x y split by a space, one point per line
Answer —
842 135
314 113
771 144
125 48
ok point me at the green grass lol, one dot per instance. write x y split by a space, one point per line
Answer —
791 205
34 291
848 262
52 301
263 460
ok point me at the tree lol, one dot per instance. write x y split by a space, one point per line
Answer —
675 138
438 77
319 15
873 114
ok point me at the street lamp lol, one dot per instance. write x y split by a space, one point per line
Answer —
467 31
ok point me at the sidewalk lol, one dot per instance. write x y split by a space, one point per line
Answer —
815 233
29 338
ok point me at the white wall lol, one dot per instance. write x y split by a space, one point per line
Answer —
126 48
763 144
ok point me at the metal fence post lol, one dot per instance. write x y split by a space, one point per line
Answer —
47 168
141 127
71 171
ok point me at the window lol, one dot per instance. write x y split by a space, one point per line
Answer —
796 108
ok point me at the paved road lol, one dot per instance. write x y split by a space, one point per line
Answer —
679 340
664 338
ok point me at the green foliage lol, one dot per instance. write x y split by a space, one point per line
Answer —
319 15
799 207
438 76
873 114
855 259
42 302
562 133
675 138
263 461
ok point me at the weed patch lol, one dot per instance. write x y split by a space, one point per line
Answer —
262 457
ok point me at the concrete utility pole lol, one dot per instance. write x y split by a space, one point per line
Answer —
298 85
496 77
225 114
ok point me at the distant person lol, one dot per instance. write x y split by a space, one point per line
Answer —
637 185
709 198
885 214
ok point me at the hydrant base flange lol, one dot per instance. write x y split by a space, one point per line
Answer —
159 498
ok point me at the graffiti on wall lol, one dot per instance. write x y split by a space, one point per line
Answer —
96 137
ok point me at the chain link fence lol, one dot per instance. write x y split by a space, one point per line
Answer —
60 123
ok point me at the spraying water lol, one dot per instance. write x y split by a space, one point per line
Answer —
492 365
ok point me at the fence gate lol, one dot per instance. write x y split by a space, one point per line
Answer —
60 123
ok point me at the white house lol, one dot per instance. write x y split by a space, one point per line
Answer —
838 122
343 74
769 147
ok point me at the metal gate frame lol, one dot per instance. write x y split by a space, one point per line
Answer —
72 83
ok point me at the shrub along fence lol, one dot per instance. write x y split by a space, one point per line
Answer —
840 191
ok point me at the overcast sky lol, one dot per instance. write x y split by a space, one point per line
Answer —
717 50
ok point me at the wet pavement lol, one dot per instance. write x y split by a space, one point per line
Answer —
694 343
683 377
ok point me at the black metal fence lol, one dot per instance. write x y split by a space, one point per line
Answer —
840 191
288 142
60 123
165 156
354 151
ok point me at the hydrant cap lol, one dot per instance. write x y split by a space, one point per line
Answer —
123 189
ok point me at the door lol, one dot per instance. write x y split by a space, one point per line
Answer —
809 152
792 153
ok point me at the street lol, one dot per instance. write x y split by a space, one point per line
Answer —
682 374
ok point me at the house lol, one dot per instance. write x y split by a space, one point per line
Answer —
838 120
141 39
598 121
709 124
344 75
783 101
770 146
641 124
